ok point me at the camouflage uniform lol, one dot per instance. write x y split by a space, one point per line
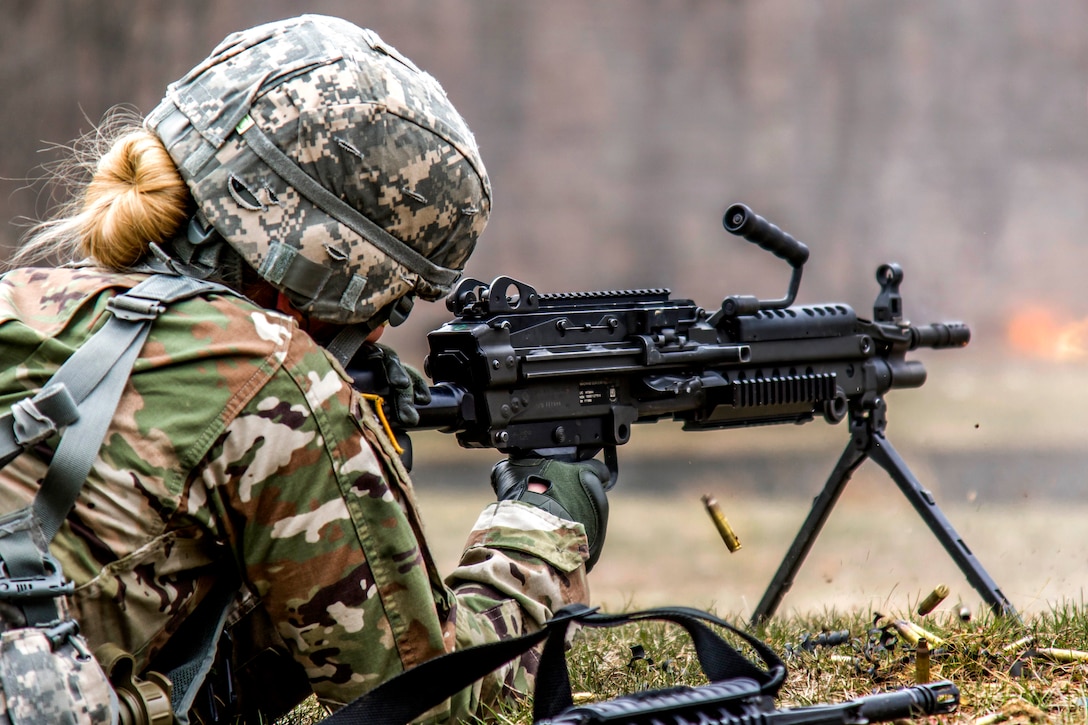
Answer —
239 443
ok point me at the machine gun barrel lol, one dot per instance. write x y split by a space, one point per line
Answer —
518 370
940 335
938 698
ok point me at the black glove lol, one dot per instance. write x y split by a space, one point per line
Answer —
575 491
407 387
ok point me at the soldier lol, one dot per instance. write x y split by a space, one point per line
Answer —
327 182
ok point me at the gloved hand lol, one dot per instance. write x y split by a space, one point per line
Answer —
407 387
574 491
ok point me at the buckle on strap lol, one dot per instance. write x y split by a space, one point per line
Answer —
39 417
50 584
66 632
134 309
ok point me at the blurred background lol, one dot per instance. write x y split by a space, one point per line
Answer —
948 137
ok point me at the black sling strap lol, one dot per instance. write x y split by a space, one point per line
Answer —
409 695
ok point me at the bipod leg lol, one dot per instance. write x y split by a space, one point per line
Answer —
853 456
887 458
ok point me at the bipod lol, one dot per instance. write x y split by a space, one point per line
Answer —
868 441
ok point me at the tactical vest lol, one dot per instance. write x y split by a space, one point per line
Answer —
47 673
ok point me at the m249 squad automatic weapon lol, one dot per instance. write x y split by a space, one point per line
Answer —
570 374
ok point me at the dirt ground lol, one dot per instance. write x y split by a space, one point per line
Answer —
874 552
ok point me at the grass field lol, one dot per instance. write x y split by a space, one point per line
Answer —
1001 668
874 556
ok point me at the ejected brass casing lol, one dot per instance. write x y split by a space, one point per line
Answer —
906 631
1020 644
921 662
724 529
931 601
1064 656
932 639
913 633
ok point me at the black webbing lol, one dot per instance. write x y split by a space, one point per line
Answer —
414 692
340 210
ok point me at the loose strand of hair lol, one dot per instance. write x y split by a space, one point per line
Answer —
62 236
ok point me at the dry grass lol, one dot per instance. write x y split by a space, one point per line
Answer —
1001 677
875 555
994 662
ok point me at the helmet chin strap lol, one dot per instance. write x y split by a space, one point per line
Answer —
199 252
202 253
347 342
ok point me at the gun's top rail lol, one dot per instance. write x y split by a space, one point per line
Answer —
475 300
519 370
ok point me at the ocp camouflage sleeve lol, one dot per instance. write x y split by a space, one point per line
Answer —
323 518
520 565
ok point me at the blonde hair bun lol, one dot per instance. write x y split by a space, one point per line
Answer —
135 198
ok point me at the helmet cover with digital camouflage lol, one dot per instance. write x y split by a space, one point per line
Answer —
337 169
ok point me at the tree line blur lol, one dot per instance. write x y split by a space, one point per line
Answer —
949 137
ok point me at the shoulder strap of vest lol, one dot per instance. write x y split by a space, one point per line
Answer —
82 398
95 376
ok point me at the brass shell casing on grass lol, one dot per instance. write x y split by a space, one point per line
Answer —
1064 656
912 633
921 662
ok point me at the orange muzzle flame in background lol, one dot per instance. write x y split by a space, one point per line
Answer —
1039 333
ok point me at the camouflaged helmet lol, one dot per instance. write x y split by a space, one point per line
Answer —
333 165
